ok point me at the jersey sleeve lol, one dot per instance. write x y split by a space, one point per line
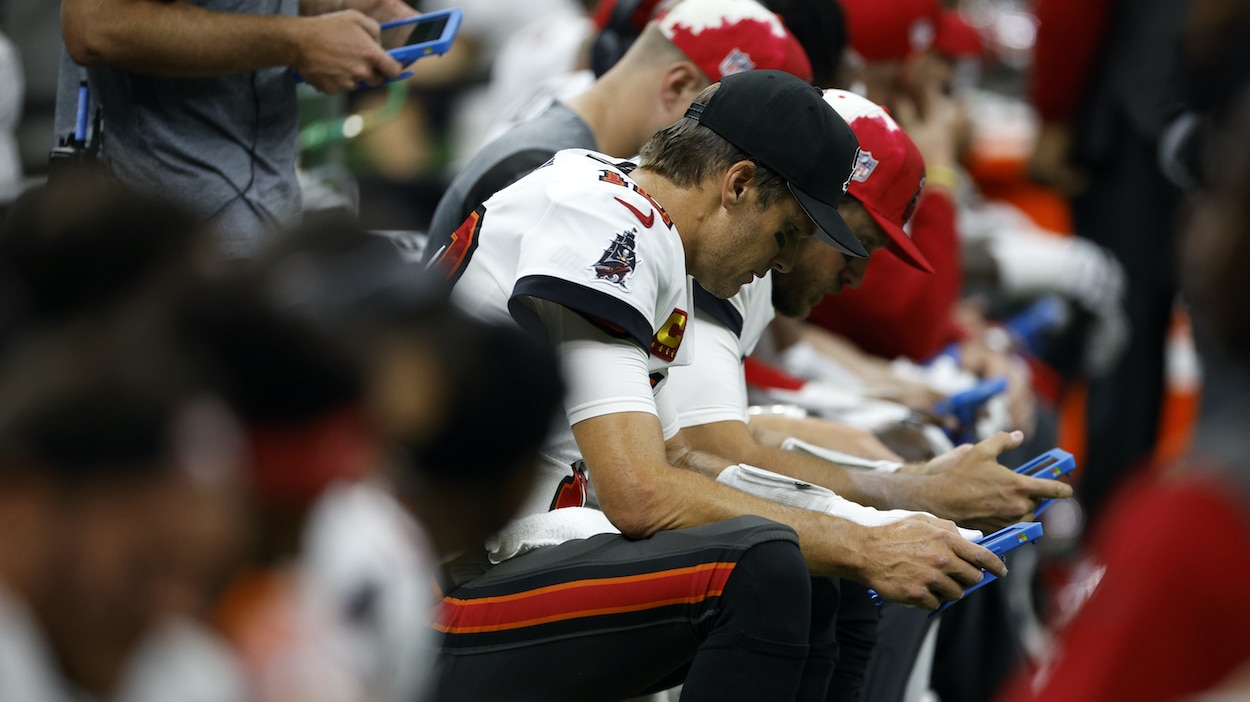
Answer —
603 375
712 388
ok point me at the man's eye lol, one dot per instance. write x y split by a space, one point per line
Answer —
781 241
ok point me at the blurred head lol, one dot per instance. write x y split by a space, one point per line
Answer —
721 37
724 37
81 245
467 405
751 141
109 448
681 51
1216 247
462 405
883 191
820 27
903 48
891 31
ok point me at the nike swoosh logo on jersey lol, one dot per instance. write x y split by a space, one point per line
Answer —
647 221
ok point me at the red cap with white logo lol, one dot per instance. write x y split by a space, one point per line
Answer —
724 37
890 174
882 30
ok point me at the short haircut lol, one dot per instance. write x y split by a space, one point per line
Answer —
653 48
687 153
86 404
506 393
83 244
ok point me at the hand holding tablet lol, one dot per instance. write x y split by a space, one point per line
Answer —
430 34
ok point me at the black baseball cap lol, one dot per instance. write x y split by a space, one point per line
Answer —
787 126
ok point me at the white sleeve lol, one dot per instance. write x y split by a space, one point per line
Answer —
604 375
664 403
712 388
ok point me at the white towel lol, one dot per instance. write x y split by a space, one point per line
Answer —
796 493
839 457
547 529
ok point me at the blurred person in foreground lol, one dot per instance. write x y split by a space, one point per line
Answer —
370 481
109 444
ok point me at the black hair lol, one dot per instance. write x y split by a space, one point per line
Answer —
82 244
820 27
506 390
85 403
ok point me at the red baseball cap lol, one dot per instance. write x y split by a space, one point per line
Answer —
639 15
889 176
724 37
882 30
955 37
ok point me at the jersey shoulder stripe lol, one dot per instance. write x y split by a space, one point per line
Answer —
723 311
596 305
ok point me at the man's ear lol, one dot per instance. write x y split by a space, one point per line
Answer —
681 83
737 182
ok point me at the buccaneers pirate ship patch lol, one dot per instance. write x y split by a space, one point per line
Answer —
618 260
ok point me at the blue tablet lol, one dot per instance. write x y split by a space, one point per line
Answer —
430 34
964 406
999 543
1052 465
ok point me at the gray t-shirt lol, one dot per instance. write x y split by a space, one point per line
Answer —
502 162
223 146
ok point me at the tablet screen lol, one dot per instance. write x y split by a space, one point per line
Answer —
427 31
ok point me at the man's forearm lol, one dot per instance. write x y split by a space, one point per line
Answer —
175 39
308 8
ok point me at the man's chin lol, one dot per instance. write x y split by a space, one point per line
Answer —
724 290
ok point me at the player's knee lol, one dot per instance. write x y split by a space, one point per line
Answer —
772 580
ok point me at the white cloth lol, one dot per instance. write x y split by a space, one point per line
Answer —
796 493
840 457
547 529
12 90
803 360
365 589
27 670
841 403
183 661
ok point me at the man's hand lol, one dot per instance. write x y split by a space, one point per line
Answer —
971 487
386 11
979 357
338 51
923 561
1051 165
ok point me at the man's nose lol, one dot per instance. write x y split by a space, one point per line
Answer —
853 274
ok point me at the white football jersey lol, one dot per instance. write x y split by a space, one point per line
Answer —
712 387
580 233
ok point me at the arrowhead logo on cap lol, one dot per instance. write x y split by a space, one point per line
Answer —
864 166
735 61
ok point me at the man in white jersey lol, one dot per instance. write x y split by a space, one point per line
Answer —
676 584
